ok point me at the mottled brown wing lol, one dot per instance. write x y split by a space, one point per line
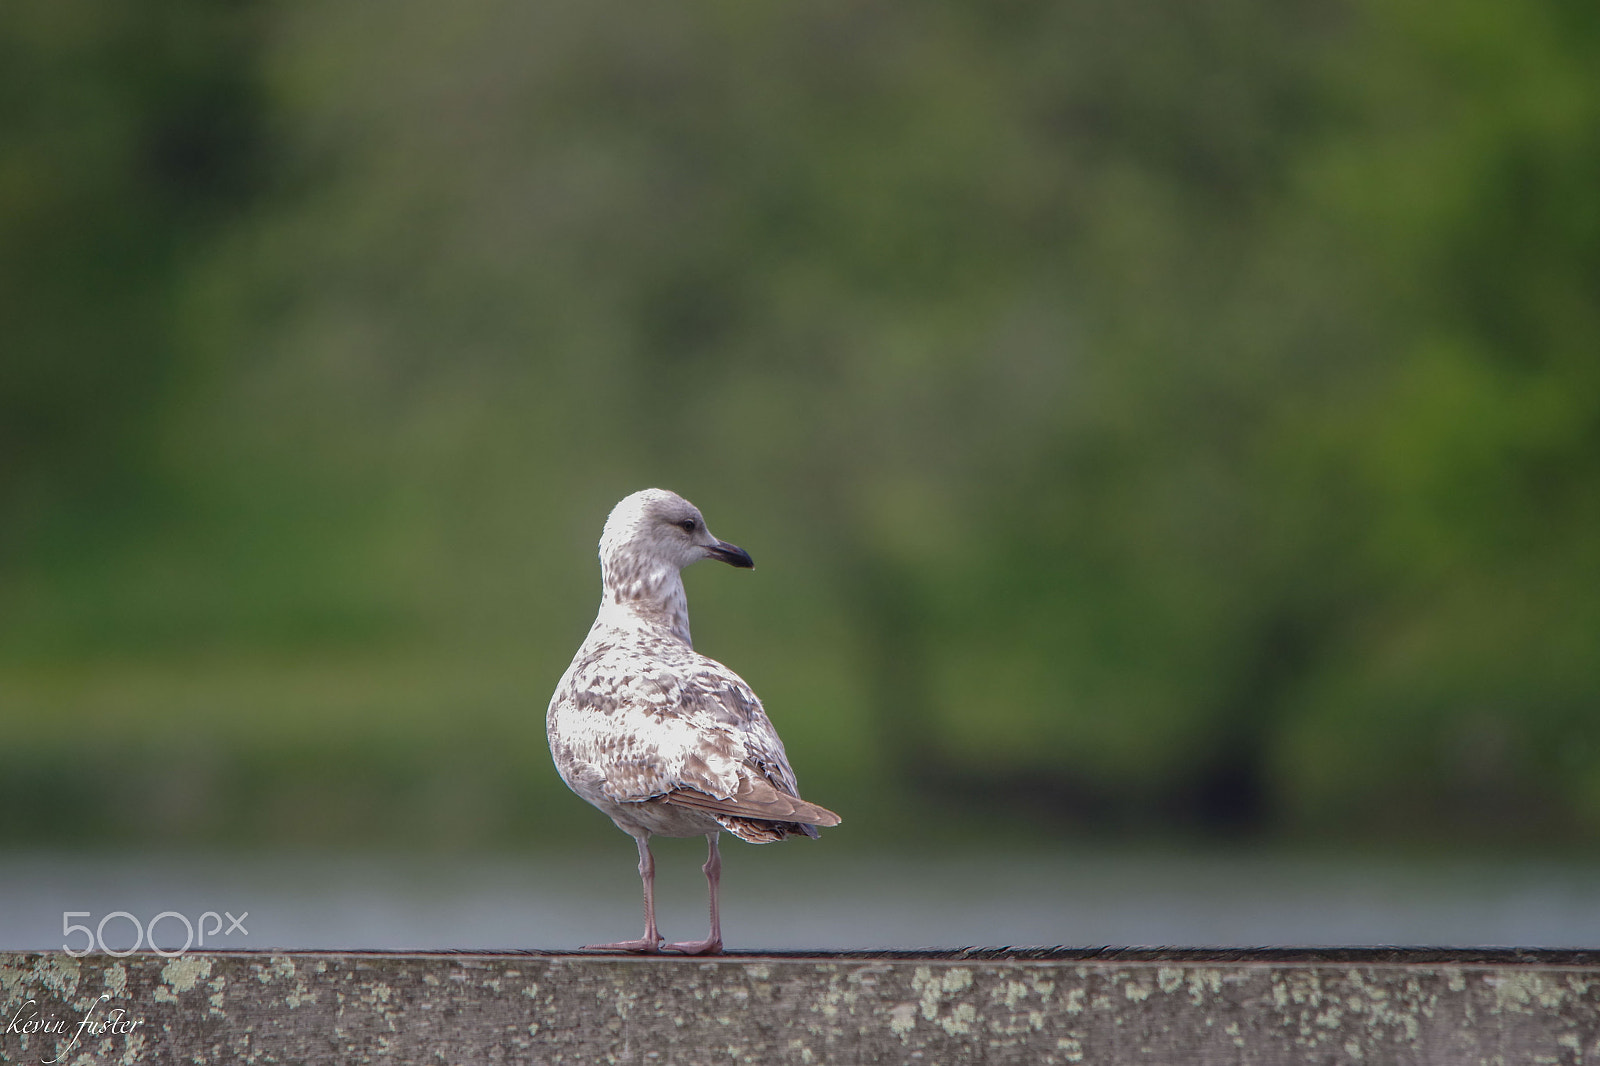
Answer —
755 799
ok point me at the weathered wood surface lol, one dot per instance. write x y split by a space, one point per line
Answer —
1188 1007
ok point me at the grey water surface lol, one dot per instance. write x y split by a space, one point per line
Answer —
800 895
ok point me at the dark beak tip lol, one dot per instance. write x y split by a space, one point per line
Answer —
733 555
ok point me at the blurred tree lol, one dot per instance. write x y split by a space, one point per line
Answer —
1157 415
129 136
1466 687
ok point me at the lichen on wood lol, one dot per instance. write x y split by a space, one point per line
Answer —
205 1008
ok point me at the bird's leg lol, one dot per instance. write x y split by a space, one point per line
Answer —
711 945
650 943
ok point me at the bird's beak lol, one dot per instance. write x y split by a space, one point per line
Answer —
731 554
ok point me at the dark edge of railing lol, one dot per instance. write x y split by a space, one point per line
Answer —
1332 956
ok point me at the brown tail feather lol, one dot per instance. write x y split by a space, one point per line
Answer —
755 800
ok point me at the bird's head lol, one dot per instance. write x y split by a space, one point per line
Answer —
654 529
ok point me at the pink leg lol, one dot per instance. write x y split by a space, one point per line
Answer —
711 945
650 943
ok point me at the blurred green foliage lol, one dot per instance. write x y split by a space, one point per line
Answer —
1144 415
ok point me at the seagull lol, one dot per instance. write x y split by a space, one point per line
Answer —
661 738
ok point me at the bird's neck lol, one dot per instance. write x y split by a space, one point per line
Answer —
645 599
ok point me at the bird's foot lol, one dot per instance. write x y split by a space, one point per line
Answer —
642 946
712 946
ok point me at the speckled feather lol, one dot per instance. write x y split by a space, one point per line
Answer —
661 738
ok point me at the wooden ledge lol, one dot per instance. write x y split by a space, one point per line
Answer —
976 1005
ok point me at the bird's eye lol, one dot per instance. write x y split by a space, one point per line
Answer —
687 525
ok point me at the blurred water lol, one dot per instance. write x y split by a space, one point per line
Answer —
799 896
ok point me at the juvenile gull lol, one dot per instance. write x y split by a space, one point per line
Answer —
656 735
